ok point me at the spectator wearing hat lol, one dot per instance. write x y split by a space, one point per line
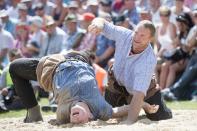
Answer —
89 39
13 10
93 7
29 5
54 40
74 33
177 9
8 24
48 6
39 10
38 35
60 12
23 14
7 42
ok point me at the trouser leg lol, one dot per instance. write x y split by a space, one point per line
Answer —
22 71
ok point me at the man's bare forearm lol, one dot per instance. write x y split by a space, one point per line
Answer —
135 107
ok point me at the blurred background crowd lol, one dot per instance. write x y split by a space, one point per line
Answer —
36 28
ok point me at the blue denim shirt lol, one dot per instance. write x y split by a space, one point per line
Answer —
76 80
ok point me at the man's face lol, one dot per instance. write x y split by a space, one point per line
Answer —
22 13
50 29
71 26
80 114
142 36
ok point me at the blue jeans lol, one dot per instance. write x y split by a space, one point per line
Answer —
75 81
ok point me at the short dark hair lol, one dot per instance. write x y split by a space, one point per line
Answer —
149 25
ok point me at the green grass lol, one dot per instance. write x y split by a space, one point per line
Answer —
22 113
181 105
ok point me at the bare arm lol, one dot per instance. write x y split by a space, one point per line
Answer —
135 107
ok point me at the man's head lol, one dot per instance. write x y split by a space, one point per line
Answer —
22 8
73 112
80 113
143 34
50 26
39 9
71 22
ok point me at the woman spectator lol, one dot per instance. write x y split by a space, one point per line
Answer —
166 33
169 71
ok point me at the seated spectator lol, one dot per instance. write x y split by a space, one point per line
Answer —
171 69
54 40
186 87
29 4
7 91
75 35
40 11
22 38
23 14
38 36
165 35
